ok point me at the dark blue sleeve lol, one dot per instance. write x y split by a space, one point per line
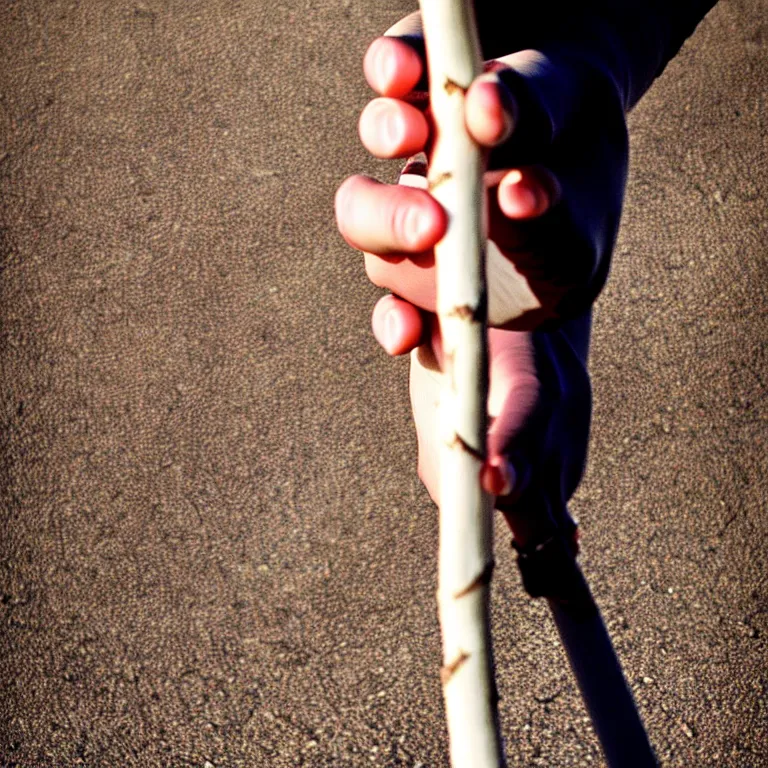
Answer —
633 39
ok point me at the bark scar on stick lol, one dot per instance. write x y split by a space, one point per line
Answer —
464 312
438 180
449 670
451 87
481 580
468 312
458 441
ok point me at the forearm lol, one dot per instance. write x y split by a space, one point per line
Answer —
631 40
578 332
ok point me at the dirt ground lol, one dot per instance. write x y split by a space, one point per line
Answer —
214 548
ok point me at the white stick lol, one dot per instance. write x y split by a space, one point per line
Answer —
466 553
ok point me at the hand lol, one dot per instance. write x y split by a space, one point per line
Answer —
554 209
539 406
553 124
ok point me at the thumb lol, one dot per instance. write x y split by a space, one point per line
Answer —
513 389
513 400
545 91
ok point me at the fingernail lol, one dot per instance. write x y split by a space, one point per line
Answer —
384 66
392 128
388 332
527 199
498 477
393 331
508 110
417 225
522 199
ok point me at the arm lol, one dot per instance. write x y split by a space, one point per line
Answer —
631 40
552 116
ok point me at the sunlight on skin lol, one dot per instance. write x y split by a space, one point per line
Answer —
390 128
396 227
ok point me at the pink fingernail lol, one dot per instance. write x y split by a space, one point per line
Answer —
528 199
385 66
392 332
523 199
499 477
392 128
417 225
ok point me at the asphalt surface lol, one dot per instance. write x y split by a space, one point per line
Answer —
214 549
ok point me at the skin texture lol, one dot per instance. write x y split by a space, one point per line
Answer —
554 130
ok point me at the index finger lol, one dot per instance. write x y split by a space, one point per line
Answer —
393 67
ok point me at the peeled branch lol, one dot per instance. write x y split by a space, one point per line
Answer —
455 179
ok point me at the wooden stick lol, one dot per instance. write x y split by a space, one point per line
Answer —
466 555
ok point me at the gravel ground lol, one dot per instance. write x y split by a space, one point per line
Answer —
214 550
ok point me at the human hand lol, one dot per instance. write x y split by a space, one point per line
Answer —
553 225
539 406
553 124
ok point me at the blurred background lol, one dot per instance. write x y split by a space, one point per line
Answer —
214 550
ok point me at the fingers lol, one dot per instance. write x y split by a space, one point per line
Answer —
386 219
397 325
376 218
517 470
410 277
542 102
539 406
392 67
490 110
389 128
528 272
498 477
395 67
540 395
527 193
519 419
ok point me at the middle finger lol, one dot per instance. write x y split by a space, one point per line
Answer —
390 128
